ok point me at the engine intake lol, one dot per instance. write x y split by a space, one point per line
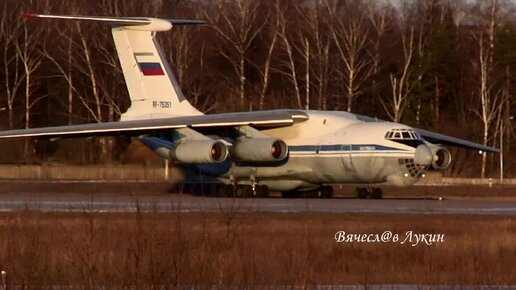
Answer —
259 150
199 152
441 158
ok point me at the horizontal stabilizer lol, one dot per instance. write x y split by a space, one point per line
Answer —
122 21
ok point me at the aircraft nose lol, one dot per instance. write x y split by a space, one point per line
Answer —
423 155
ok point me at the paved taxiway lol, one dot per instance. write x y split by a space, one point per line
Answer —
53 202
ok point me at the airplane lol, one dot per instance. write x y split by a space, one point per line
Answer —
249 154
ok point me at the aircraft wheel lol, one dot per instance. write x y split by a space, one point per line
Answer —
317 193
262 191
361 192
210 190
326 191
224 190
239 191
376 193
322 192
244 191
290 194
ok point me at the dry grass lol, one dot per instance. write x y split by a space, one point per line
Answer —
142 250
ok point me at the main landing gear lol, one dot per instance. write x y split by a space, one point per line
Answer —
322 192
368 192
247 191
229 190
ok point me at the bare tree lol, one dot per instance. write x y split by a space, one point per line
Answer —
65 67
105 90
187 54
378 20
402 83
351 36
491 98
236 23
10 27
288 67
272 26
199 93
30 58
315 31
306 46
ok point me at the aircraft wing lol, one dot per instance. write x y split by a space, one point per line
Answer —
437 138
269 119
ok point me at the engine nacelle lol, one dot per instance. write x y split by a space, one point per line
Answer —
441 158
259 150
199 152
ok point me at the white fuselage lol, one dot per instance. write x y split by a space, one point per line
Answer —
330 147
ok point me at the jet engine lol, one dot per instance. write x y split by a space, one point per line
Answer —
441 158
199 152
259 150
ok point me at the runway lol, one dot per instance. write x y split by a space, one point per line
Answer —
53 202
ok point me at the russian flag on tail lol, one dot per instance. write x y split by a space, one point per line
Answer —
151 68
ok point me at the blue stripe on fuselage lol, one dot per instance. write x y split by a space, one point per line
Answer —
342 147
159 142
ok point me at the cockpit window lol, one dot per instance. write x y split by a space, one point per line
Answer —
402 134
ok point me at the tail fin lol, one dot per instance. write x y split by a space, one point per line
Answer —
152 86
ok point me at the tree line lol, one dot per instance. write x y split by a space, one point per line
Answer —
442 65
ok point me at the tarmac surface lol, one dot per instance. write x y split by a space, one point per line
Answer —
117 203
